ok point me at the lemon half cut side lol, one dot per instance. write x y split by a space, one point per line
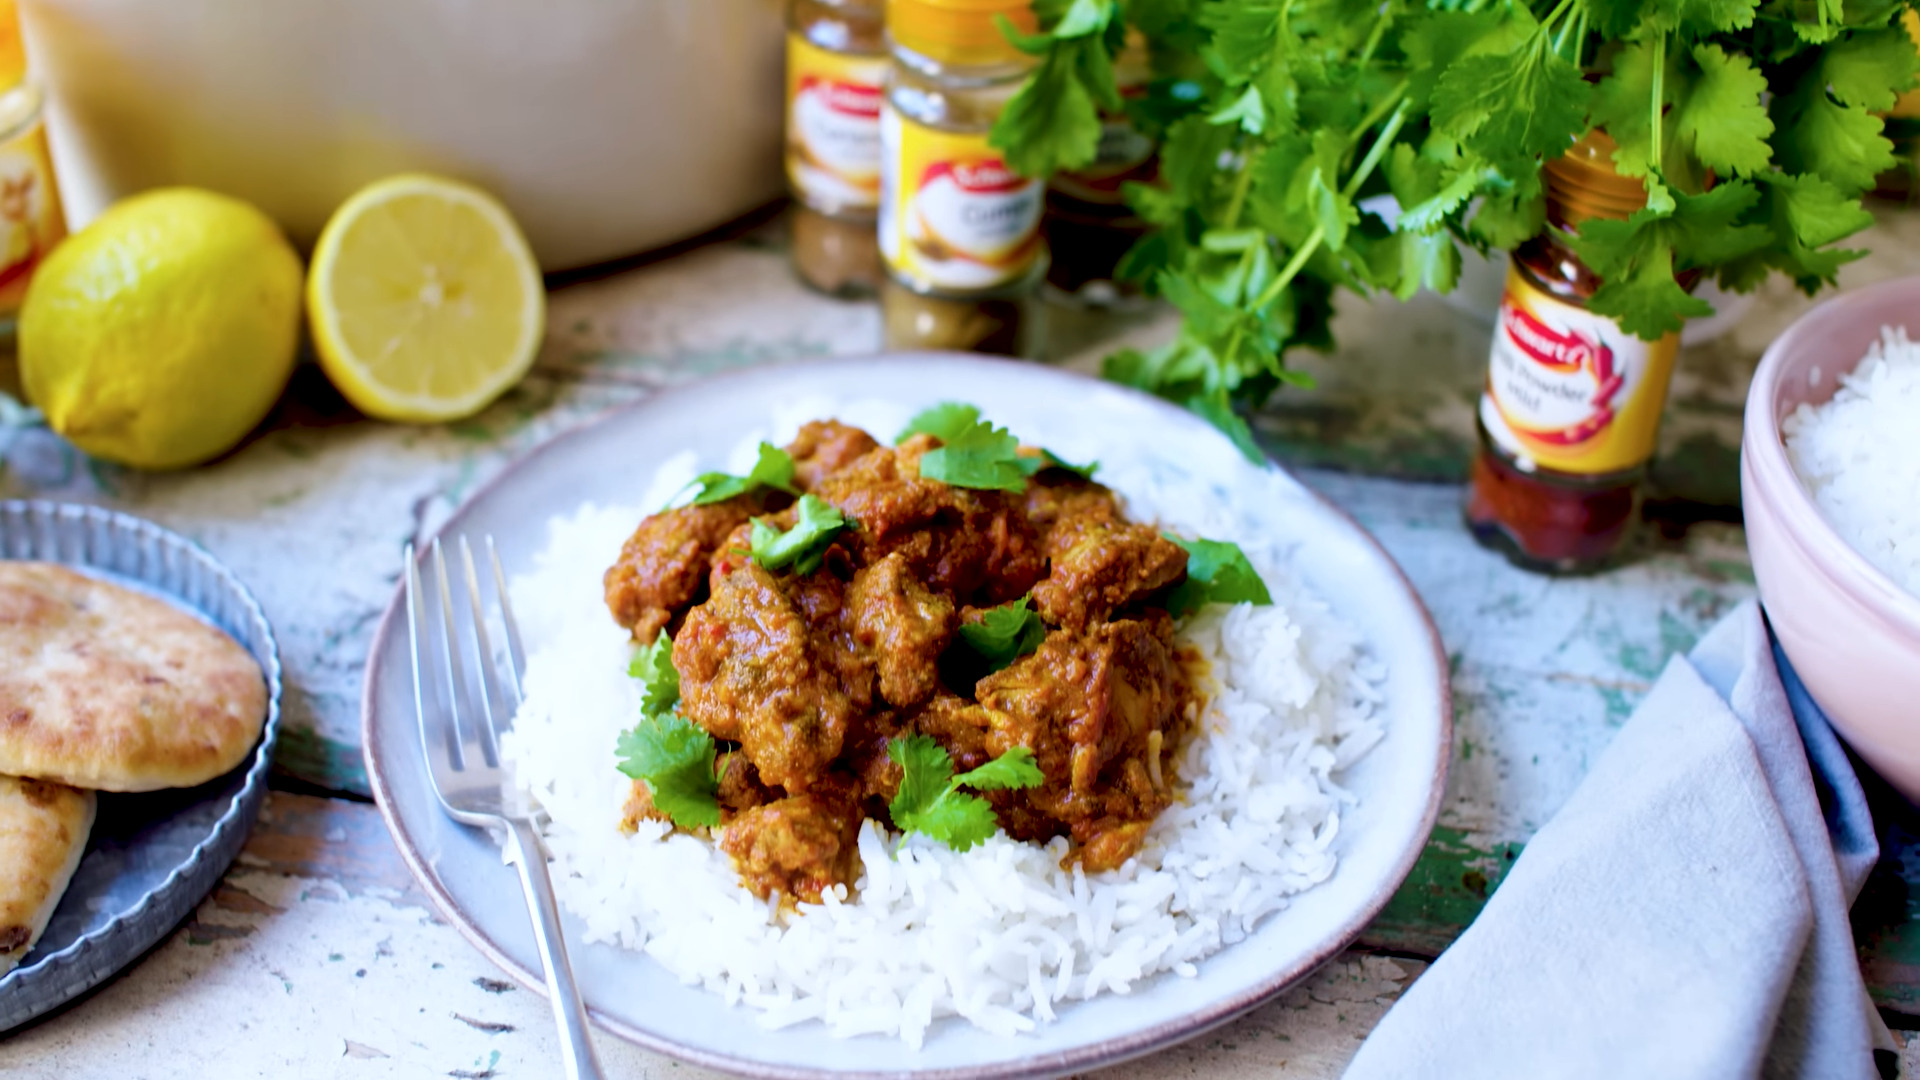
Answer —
425 300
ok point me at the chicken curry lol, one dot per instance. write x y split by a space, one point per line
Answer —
805 670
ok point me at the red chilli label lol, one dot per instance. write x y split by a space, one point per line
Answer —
1566 353
979 178
848 99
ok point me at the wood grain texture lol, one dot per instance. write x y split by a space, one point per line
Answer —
318 947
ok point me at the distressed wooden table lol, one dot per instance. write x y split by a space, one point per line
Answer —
317 956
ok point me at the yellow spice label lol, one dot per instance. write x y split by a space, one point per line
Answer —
31 221
833 126
1568 389
952 214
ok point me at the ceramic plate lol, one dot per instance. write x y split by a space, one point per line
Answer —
610 462
151 856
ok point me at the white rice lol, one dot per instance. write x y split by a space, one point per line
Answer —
1001 935
1859 457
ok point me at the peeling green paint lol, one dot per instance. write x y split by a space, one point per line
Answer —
312 758
1446 890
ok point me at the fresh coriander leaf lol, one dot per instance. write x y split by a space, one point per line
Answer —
1005 633
1054 461
1218 572
930 801
1722 120
925 770
1248 112
983 457
944 421
1429 259
803 546
955 819
659 679
1639 257
1530 102
773 469
1842 143
1013 769
676 760
1869 68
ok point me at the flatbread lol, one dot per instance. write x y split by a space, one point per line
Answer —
43 831
103 687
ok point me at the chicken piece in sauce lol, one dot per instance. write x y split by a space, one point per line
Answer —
803 679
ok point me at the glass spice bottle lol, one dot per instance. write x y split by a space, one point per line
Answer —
959 229
836 62
1572 403
31 220
1089 226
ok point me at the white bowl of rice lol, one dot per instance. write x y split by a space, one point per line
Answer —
1830 483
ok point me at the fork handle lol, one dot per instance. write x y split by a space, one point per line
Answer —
569 1012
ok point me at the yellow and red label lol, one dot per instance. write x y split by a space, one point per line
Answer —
1569 390
31 221
952 214
833 126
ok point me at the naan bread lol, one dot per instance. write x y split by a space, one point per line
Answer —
103 687
43 830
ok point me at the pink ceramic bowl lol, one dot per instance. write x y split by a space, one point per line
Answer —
1852 634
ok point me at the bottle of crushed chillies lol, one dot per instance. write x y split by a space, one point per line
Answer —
1572 402
836 61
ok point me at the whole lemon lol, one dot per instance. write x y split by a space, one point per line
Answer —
162 333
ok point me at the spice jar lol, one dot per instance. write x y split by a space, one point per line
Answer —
1089 226
31 221
1572 403
836 61
959 229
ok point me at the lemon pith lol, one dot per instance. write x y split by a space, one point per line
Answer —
424 299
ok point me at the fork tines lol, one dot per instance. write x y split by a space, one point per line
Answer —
473 708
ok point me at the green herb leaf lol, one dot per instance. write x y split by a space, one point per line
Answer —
925 770
1005 634
945 421
1638 258
803 546
982 456
1013 769
676 760
773 469
1218 572
930 800
659 679
1529 102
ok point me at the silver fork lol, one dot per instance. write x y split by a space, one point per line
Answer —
462 752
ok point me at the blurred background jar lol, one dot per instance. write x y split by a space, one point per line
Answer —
31 221
1089 226
836 63
607 127
959 229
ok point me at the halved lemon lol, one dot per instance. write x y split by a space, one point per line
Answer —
424 299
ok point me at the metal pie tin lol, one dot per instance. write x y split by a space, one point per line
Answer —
151 856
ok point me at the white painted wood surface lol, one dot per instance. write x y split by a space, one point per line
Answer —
317 958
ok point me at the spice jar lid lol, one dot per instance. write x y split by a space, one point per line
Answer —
964 33
1582 183
13 51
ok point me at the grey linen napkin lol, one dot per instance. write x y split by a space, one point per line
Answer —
1683 915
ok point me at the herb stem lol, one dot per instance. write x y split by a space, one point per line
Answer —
1659 96
1367 165
1554 16
1241 183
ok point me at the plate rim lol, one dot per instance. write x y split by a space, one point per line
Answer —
229 833
1099 1054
